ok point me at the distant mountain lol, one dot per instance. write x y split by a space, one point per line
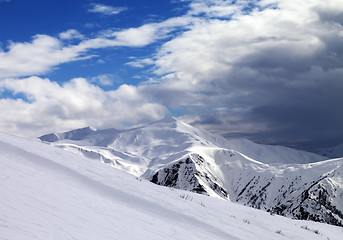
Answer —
277 179
77 134
48 193
334 152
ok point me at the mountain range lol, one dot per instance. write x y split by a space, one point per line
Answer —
333 152
276 179
50 193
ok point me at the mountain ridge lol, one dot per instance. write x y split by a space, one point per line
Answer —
333 152
48 193
196 134
277 179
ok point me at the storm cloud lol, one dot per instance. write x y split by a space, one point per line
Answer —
274 75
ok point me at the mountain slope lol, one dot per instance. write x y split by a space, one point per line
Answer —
273 178
48 193
162 142
334 152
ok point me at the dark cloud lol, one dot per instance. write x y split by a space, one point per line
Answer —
208 120
301 113
272 78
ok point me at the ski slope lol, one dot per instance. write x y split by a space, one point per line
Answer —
48 193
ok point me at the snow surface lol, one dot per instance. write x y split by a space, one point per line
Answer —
150 146
48 193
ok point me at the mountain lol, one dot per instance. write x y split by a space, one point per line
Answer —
334 152
49 193
170 153
77 134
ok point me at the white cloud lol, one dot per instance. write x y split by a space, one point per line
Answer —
36 57
44 53
151 32
71 34
54 107
139 37
217 8
288 39
107 10
106 79
140 63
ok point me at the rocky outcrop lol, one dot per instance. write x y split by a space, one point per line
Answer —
292 196
191 175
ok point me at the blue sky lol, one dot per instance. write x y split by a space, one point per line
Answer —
29 18
270 70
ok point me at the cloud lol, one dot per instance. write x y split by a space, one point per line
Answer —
106 79
140 63
45 52
71 34
36 57
53 107
267 70
217 8
151 32
104 9
273 70
138 37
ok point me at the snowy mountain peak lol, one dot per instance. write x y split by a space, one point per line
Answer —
166 137
76 134
172 124
174 154
90 200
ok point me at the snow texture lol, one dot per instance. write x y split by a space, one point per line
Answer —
48 193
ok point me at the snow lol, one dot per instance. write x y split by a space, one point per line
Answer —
171 153
162 142
77 134
48 193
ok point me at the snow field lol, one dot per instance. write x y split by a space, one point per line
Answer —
47 193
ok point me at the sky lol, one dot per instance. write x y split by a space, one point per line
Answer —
270 71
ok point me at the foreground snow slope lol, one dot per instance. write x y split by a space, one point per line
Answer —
48 193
